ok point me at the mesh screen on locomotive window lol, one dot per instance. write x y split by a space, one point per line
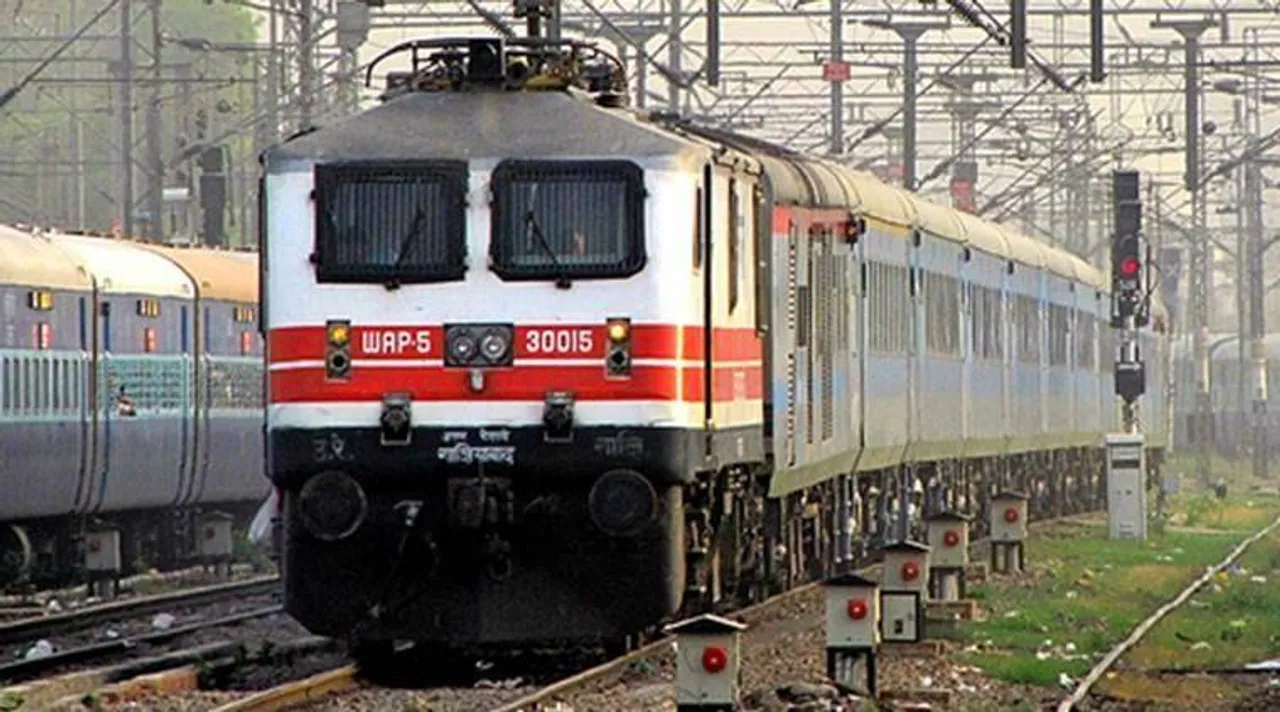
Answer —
390 222
574 220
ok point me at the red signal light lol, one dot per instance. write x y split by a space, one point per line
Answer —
857 609
1011 515
1129 267
910 571
714 659
951 538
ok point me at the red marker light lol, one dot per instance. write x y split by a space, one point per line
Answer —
857 609
910 571
1011 515
1129 267
951 538
714 659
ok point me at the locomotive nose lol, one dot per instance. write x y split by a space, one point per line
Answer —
622 502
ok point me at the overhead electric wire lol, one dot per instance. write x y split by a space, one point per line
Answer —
13 91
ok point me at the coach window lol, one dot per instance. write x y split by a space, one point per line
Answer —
391 222
566 220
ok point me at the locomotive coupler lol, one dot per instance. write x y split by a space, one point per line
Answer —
497 555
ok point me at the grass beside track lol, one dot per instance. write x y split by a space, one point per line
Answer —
1083 593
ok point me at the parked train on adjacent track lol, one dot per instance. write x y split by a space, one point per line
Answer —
1231 394
130 396
544 368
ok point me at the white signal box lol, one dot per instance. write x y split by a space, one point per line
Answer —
948 540
1126 486
853 612
102 551
707 660
906 567
1008 519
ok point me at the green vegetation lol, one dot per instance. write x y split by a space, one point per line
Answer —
1229 623
1083 593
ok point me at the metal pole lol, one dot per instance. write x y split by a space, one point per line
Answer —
76 214
1200 266
673 57
273 73
306 63
155 158
1257 314
837 87
126 117
909 70
910 33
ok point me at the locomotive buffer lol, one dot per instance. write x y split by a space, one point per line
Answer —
1130 311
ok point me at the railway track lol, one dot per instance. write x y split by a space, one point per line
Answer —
1108 661
25 669
346 680
30 628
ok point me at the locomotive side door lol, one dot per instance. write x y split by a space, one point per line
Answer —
707 215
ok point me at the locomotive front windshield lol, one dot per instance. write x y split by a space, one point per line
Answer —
395 222
579 220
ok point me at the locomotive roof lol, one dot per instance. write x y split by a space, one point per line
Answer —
122 267
800 179
485 124
31 260
470 125
220 274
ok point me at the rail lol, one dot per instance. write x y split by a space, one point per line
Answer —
19 670
43 626
1140 631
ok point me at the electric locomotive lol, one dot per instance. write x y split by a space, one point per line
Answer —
544 368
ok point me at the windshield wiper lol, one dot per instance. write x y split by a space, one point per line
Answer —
415 229
562 280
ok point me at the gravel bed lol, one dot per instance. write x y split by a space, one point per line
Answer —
783 662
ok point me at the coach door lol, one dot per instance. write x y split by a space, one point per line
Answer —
708 303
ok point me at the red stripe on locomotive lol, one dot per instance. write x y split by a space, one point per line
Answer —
648 341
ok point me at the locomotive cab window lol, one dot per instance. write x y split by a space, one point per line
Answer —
389 222
567 220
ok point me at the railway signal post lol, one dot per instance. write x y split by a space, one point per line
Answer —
1130 310
706 663
853 632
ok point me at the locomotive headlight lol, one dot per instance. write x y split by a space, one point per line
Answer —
617 358
462 347
619 330
339 332
337 356
494 346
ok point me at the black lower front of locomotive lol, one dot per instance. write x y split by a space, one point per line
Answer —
483 536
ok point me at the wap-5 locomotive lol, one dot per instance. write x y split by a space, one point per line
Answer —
544 368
